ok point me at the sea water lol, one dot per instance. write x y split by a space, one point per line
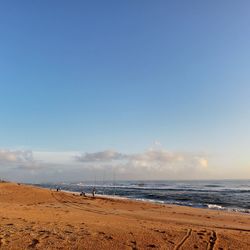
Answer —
231 195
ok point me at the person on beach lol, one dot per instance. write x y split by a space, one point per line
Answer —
93 192
82 194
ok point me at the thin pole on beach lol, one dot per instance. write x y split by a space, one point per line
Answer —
103 177
114 183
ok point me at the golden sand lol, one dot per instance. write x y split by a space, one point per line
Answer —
37 218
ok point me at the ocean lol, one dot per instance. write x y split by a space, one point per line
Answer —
233 195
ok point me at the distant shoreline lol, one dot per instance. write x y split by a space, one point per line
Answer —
215 195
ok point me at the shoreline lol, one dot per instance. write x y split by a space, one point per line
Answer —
232 210
142 201
212 207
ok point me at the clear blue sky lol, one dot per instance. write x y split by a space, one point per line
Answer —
94 75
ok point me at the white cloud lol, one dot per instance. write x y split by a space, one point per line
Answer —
202 161
18 159
17 156
103 156
151 164
65 158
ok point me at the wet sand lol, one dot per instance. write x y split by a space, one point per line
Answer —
36 218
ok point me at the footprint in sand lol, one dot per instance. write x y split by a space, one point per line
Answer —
159 231
133 242
151 245
43 234
68 232
2 241
108 237
10 224
33 243
200 233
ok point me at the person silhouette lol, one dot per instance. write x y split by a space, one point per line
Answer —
93 192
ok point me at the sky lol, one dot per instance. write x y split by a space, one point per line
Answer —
139 89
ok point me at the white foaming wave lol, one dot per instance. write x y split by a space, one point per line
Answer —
149 200
214 206
241 210
218 207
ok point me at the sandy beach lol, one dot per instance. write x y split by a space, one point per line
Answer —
32 217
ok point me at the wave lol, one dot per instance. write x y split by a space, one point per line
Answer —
218 207
231 196
167 187
214 206
213 185
149 200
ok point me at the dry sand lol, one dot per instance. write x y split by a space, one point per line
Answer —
38 218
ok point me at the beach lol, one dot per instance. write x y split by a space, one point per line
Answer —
39 218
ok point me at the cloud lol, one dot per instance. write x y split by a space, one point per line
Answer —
103 156
149 164
20 159
159 156
162 160
202 161
18 156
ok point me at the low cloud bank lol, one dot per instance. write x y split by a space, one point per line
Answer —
151 164
16 156
102 156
